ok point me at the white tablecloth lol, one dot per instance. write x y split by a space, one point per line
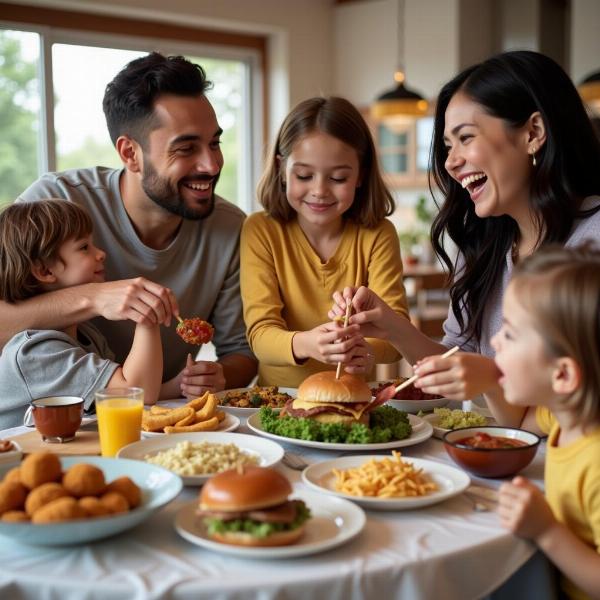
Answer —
446 551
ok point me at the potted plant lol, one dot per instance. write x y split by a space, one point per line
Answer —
415 242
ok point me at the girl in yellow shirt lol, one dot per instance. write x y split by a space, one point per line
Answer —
323 228
548 353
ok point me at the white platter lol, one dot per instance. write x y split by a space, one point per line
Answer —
421 432
269 453
158 485
334 522
411 406
229 423
11 456
246 412
450 480
438 432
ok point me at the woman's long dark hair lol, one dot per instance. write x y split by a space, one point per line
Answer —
512 86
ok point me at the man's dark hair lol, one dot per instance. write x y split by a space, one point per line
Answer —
129 98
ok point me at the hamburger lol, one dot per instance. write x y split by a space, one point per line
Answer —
249 506
325 399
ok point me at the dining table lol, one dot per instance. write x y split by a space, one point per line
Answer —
454 550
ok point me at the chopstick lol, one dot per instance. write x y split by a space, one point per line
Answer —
338 371
412 379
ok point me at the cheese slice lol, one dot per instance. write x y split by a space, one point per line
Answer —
348 408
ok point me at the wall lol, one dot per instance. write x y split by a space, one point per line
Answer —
585 38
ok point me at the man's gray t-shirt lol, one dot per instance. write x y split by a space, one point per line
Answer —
583 229
201 265
39 363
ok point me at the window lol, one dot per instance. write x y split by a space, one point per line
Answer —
51 110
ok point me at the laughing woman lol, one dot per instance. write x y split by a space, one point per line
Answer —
516 160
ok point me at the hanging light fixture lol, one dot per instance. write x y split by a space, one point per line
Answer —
589 90
400 101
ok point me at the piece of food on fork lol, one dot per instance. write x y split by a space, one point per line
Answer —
195 330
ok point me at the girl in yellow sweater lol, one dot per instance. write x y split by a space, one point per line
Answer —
323 228
548 352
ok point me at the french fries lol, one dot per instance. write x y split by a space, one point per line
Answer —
199 414
387 478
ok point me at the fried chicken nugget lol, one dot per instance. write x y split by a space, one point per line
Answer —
93 507
126 487
15 516
40 467
13 474
115 502
12 496
61 509
83 479
152 422
209 425
42 495
208 410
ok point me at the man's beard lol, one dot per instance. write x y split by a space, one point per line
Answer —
162 192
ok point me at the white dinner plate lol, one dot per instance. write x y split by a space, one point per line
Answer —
268 453
229 423
411 406
246 412
421 432
158 486
438 432
450 481
11 457
334 522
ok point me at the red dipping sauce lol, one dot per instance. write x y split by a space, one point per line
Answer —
484 440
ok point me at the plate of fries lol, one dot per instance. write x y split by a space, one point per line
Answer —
387 482
199 414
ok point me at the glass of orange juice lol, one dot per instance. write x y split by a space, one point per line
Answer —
119 412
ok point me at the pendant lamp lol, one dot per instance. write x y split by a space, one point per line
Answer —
589 90
400 101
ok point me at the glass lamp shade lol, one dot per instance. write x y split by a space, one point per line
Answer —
400 101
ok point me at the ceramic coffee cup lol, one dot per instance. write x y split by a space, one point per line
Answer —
57 418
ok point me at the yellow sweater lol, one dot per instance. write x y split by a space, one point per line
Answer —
572 483
286 288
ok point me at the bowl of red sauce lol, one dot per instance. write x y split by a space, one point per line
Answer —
491 451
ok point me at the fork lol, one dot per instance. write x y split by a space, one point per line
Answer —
294 461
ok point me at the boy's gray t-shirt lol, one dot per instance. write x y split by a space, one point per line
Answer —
201 265
39 363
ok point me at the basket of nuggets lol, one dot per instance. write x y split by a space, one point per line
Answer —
199 414
38 491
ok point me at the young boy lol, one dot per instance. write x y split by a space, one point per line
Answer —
46 246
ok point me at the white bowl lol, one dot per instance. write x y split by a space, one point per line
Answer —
158 485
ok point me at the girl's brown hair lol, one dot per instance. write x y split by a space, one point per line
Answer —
32 233
339 118
560 287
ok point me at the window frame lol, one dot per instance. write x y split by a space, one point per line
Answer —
99 31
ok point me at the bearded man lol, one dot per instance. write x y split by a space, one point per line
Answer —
172 244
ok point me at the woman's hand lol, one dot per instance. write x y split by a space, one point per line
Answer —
458 377
370 312
523 509
328 343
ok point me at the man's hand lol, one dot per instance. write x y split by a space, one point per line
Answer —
201 376
139 300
